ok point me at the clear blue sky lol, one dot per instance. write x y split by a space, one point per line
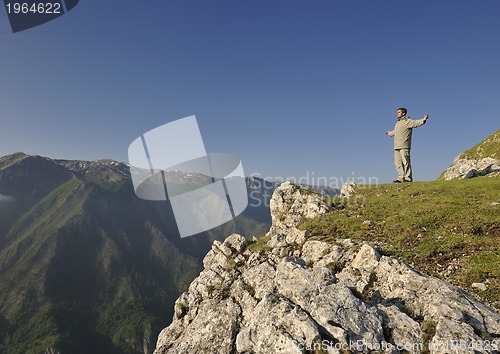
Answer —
294 88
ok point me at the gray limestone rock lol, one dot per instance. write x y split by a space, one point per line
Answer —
304 296
348 189
291 203
468 168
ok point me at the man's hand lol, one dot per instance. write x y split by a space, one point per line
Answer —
425 117
388 132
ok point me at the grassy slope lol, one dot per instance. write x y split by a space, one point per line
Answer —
447 229
489 147
32 249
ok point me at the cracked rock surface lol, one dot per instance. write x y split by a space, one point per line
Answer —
469 168
300 296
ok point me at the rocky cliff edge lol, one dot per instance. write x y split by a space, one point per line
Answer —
299 295
480 160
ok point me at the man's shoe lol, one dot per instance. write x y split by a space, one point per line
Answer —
396 181
407 180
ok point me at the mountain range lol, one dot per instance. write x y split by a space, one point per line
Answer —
85 265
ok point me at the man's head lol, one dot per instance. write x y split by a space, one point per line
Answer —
401 112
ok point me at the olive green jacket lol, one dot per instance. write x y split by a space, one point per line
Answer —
402 132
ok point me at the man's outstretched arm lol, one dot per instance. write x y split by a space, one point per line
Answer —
417 123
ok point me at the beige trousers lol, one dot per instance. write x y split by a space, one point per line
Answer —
403 165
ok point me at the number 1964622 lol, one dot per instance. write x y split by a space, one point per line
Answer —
40 8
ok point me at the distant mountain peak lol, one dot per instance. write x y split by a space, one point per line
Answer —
9 160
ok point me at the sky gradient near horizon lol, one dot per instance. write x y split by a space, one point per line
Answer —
296 89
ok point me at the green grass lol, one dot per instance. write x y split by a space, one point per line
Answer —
490 147
447 229
260 244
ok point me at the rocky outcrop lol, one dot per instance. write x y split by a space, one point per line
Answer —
300 295
480 160
468 168
348 189
290 204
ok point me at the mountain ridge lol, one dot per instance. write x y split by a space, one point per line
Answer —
86 266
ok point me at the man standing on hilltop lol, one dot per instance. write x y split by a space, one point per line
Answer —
402 143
